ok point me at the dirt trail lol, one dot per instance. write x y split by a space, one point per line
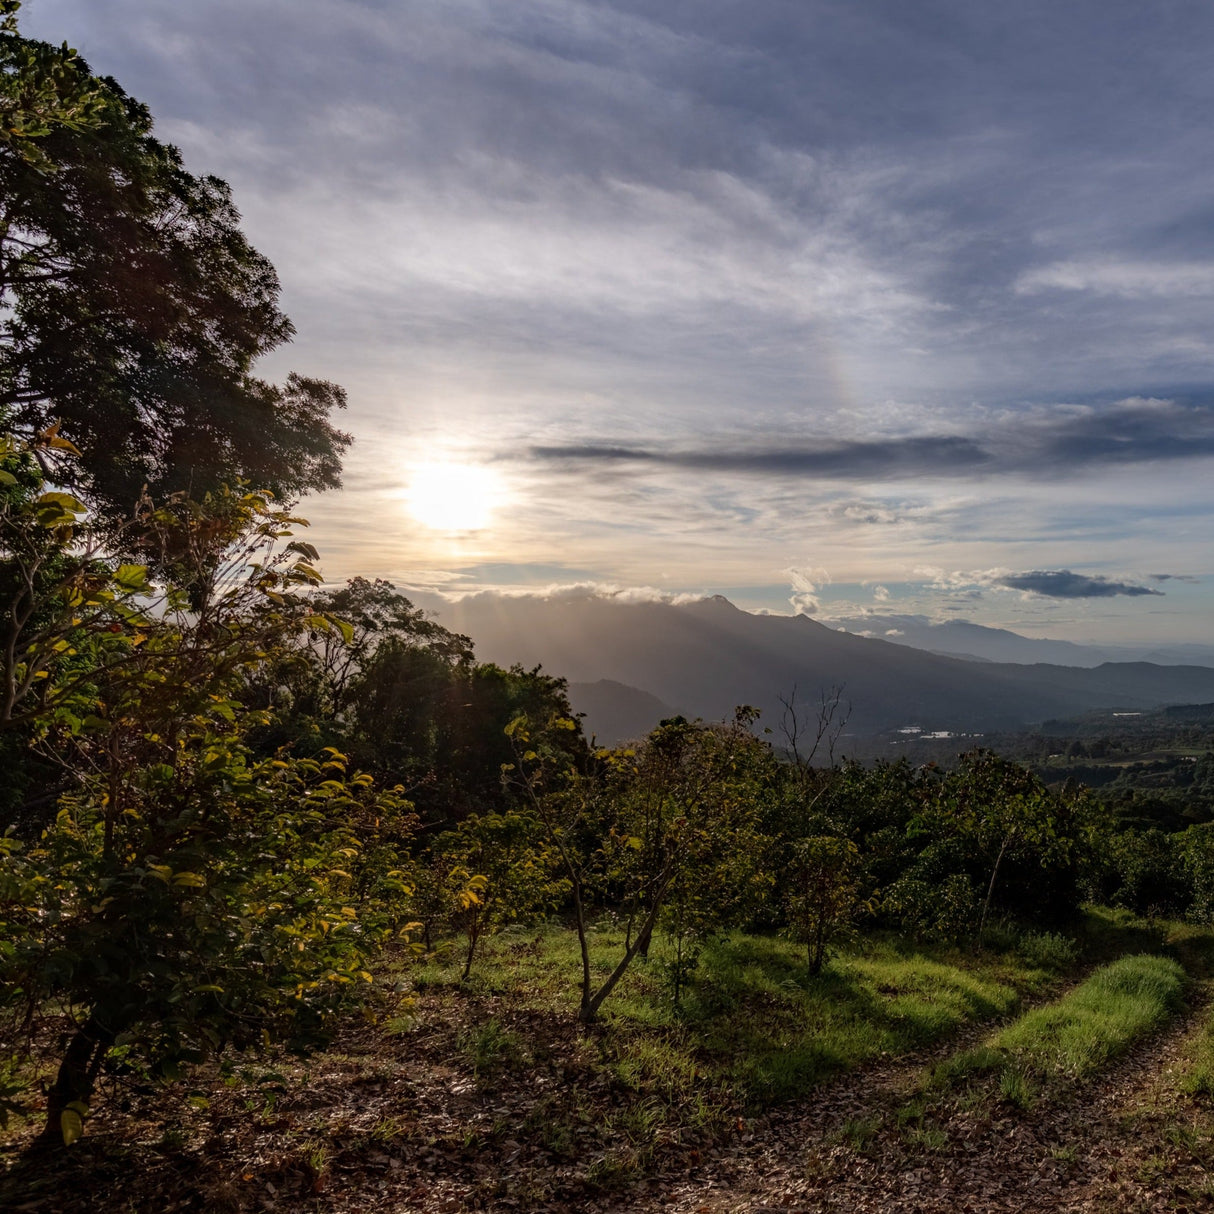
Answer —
371 1133
1119 1143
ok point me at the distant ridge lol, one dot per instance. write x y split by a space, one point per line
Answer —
707 656
978 642
614 712
974 642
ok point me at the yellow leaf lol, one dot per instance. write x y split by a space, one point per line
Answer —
71 1125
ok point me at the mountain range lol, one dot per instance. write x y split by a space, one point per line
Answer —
630 663
960 638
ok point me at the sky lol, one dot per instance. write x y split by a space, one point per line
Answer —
843 308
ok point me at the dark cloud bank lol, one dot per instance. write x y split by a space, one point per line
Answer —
1063 584
1140 430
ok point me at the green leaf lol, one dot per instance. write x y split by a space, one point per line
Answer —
131 577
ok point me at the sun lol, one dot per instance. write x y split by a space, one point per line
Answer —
453 497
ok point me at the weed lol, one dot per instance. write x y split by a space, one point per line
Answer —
1047 950
1067 1155
490 1048
316 1156
640 1122
389 1129
614 1170
173 1138
1185 1137
1152 1169
960 1068
928 1138
557 1137
1017 1088
858 1132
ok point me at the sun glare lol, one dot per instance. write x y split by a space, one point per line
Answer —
453 497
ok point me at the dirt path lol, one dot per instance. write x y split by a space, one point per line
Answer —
1121 1143
374 1133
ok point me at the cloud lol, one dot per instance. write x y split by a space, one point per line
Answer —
558 591
695 268
881 594
906 457
1045 583
806 584
1125 279
1063 584
1036 443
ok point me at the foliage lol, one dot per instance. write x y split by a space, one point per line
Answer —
824 894
407 700
1140 872
42 88
500 871
1195 853
133 307
188 894
668 833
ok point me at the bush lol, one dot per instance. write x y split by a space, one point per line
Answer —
1047 950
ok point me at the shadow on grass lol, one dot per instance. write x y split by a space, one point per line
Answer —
776 1033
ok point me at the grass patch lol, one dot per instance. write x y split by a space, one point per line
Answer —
753 1027
1195 1076
1070 1039
1096 1022
772 1033
490 1048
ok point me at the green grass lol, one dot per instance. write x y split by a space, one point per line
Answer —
1074 1037
1195 1075
785 1034
753 1025
1097 1021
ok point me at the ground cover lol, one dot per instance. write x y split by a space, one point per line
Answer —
1073 1037
487 1095
473 1081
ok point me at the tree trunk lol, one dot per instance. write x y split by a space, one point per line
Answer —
590 1005
77 1074
583 944
644 940
817 950
990 889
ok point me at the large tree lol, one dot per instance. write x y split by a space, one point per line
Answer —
132 308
